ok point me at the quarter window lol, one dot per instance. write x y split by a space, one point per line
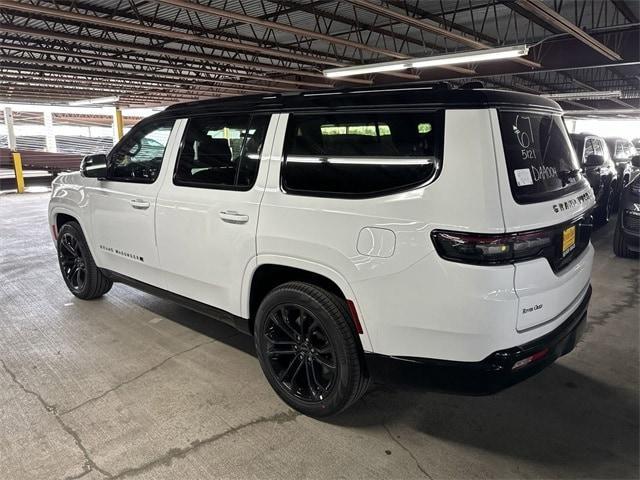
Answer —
221 151
138 158
361 154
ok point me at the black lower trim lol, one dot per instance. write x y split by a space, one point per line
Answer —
489 375
241 324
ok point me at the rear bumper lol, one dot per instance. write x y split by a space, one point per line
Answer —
497 371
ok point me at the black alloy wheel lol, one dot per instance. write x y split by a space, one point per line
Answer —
83 278
72 262
309 349
300 353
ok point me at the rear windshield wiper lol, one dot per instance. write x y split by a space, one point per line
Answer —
565 175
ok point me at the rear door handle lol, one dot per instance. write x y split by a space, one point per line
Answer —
140 204
231 216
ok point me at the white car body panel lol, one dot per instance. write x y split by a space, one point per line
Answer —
202 256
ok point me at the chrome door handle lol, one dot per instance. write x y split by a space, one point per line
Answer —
139 204
231 216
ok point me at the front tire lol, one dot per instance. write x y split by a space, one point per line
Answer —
83 278
308 349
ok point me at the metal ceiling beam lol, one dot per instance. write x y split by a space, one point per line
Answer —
55 93
135 74
225 45
545 14
175 23
110 56
209 10
120 60
54 67
428 27
363 26
24 78
170 95
240 17
441 20
626 10
249 66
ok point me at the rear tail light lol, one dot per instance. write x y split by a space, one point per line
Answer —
482 249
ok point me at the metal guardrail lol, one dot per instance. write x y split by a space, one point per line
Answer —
53 163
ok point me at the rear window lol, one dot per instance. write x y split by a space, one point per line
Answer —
541 162
361 154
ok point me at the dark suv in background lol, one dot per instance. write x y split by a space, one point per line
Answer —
621 150
600 170
626 239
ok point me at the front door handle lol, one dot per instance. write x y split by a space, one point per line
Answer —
231 216
140 204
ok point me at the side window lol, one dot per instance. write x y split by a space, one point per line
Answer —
221 151
597 147
138 157
589 149
361 154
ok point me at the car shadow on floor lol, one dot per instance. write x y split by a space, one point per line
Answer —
559 416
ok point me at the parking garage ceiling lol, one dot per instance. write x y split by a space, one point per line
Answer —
157 52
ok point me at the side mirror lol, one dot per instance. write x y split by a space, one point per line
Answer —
635 161
94 166
594 161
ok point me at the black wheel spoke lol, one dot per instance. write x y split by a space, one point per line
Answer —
324 363
280 323
294 361
312 387
69 248
318 386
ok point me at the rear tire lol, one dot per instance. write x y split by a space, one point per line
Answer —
620 247
83 278
604 211
308 349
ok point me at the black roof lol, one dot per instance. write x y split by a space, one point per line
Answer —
401 95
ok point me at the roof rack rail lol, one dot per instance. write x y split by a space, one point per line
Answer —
471 85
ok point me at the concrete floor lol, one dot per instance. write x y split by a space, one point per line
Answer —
132 386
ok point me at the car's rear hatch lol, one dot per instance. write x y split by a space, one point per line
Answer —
543 192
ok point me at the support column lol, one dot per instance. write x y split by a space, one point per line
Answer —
11 134
50 135
118 125
15 156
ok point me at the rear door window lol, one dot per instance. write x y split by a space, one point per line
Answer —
361 154
541 162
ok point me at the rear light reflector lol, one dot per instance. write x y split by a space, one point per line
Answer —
484 249
530 359
54 232
354 316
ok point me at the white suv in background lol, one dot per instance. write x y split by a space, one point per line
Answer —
350 231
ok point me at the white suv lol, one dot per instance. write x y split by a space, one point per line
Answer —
347 230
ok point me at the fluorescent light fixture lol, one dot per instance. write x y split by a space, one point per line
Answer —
472 57
584 95
94 101
435 61
362 69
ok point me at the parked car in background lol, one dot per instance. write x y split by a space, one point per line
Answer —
621 150
636 143
626 239
600 171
